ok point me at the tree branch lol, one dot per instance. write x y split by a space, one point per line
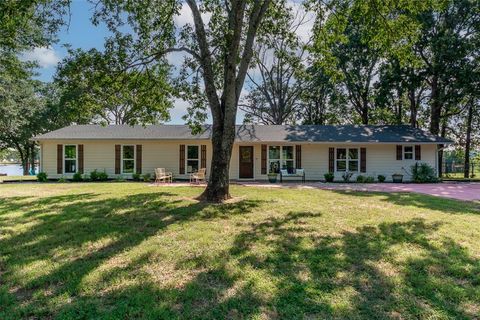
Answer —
256 17
205 61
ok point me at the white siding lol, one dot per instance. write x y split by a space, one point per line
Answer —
100 155
381 159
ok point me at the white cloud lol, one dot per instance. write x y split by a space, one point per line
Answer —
176 58
45 57
185 16
178 111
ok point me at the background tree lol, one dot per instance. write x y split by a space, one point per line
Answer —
400 92
446 48
345 46
25 25
276 80
101 85
26 110
472 122
321 101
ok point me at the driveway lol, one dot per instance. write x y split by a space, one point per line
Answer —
459 191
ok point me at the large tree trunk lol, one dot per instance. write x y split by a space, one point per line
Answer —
443 133
364 113
24 158
468 141
413 107
32 157
436 107
224 110
399 117
321 113
218 187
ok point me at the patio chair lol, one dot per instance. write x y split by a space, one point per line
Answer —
199 176
162 176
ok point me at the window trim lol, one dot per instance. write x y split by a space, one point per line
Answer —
403 152
134 158
64 158
281 155
187 159
347 159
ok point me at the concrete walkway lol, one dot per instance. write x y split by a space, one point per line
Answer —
459 191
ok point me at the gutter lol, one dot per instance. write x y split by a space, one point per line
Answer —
249 142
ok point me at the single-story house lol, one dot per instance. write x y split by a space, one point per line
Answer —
122 150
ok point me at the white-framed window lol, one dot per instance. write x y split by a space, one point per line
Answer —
128 159
280 157
70 158
408 152
347 159
193 158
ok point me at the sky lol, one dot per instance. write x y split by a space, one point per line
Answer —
81 33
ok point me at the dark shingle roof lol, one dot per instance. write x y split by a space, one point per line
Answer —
250 133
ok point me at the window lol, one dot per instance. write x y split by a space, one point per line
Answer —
192 159
287 157
128 159
408 152
70 158
347 159
280 157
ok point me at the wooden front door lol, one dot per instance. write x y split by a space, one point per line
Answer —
246 162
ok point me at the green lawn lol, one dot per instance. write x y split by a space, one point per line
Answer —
128 251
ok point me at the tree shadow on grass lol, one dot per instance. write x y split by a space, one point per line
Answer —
361 274
282 267
62 233
388 271
419 200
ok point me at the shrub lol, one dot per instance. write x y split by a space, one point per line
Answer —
381 178
369 179
120 179
422 173
329 176
77 177
346 176
146 177
103 176
94 175
360 179
136 176
42 177
62 179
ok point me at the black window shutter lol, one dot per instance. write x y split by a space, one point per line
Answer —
181 169
298 156
363 159
331 159
399 152
418 152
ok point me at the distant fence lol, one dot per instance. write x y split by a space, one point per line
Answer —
452 168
